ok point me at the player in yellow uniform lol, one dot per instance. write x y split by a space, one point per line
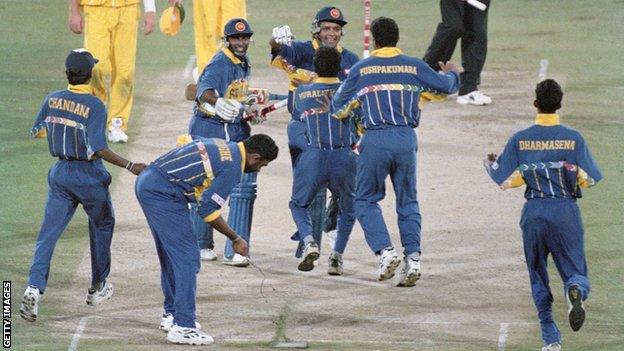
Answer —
110 33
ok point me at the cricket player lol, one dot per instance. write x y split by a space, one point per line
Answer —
390 88
221 103
326 162
554 163
295 58
74 123
110 28
204 172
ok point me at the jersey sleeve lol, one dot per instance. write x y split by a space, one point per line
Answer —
589 173
503 169
214 197
38 129
345 99
212 78
437 83
96 127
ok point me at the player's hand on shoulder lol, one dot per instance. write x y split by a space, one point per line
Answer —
283 35
228 109
448 66
240 246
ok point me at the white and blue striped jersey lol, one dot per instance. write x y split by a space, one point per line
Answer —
74 122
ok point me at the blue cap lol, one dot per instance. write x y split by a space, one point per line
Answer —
80 61
237 26
330 14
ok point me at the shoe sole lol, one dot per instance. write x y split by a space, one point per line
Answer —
389 273
209 259
308 262
410 280
334 271
28 305
576 315
236 264
186 342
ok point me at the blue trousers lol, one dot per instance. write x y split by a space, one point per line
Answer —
318 169
71 183
383 152
553 226
166 211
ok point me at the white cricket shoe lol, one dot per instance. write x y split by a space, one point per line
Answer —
410 272
237 261
115 133
474 98
207 255
96 297
30 304
335 264
311 253
555 346
188 336
388 263
167 322
576 310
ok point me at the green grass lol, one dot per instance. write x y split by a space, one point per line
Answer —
582 41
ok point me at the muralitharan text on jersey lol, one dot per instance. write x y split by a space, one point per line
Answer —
69 106
388 69
224 152
316 93
538 145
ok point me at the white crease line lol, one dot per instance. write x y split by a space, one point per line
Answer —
79 329
189 67
541 75
502 336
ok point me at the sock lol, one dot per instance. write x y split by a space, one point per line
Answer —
308 239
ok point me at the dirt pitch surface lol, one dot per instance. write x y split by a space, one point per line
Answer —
473 295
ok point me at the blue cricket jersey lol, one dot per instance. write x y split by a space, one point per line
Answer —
300 55
313 107
74 122
228 76
206 171
551 159
390 88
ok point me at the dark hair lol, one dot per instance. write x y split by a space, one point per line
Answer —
385 32
262 145
326 62
77 77
548 95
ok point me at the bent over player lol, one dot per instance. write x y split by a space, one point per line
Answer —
74 122
554 162
326 162
204 171
390 87
295 57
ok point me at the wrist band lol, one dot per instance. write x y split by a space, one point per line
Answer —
129 166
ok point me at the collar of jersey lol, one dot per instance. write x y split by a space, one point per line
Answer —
317 44
241 147
79 88
327 80
547 119
235 60
389 51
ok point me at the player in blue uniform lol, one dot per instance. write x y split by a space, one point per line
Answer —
74 122
390 87
204 172
295 57
222 102
326 162
554 163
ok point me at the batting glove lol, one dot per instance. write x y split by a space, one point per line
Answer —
283 35
257 96
228 109
253 114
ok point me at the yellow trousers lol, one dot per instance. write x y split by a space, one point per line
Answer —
209 18
111 36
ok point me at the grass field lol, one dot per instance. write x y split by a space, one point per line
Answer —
582 41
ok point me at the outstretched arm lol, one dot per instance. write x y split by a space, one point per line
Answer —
110 156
